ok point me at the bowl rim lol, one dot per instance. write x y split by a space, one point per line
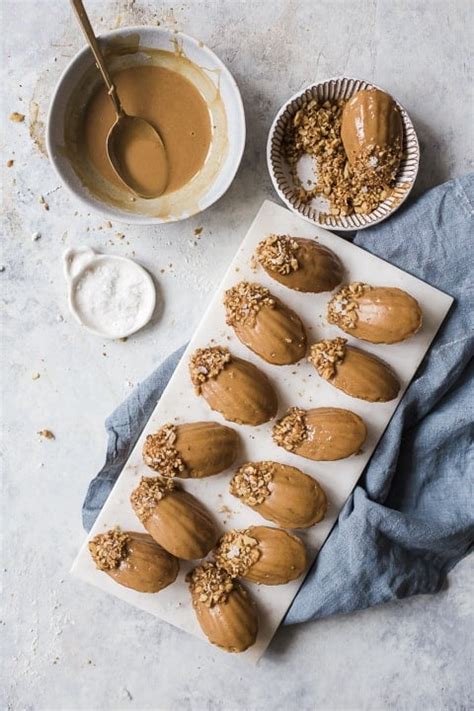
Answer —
140 219
270 166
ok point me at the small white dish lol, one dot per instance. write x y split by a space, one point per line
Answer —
314 211
76 86
110 296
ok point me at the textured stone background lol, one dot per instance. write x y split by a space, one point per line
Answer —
66 645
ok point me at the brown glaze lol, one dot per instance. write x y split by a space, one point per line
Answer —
167 100
382 314
193 450
370 118
147 567
241 393
319 269
291 499
359 374
325 433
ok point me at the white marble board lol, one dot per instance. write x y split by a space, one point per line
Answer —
296 385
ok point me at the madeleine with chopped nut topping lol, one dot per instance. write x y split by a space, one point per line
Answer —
233 386
280 493
193 450
224 609
377 314
175 519
355 372
262 554
134 560
300 264
264 324
322 434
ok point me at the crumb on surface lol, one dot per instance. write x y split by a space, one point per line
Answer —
17 117
46 434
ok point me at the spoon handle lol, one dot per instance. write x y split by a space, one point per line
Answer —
97 52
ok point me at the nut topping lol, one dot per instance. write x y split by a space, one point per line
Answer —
326 354
250 483
149 493
207 363
160 454
109 549
278 253
243 302
291 430
237 551
342 309
209 584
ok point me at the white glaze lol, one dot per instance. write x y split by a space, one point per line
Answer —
111 296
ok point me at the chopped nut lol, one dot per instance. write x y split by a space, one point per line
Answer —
244 301
47 434
250 482
35 376
291 430
148 494
16 117
326 354
237 551
10 163
278 253
160 454
109 549
342 309
209 584
207 363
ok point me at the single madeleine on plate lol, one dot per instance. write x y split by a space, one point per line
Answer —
322 434
175 519
299 263
134 560
262 554
280 493
264 324
232 386
377 314
193 450
355 372
224 609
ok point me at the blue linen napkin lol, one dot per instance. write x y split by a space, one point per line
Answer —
410 519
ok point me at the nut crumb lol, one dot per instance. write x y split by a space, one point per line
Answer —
160 453
148 494
342 309
326 354
251 482
16 117
35 376
10 163
47 434
108 549
198 231
291 430
278 253
209 584
206 363
237 551
243 302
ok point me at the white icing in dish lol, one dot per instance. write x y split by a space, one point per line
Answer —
111 296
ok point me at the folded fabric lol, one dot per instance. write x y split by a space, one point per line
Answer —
410 519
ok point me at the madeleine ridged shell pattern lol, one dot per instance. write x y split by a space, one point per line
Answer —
339 88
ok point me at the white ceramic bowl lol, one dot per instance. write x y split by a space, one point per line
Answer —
337 88
153 38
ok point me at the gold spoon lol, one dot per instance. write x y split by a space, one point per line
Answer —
133 144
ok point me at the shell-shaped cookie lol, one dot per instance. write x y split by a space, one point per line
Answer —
232 386
224 609
321 434
355 372
174 518
265 324
192 450
260 554
299 263
377 314
280 493
134 560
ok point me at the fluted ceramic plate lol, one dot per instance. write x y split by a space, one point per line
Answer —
316 210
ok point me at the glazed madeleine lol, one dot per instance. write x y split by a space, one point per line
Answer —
224 609
280 493
372 135
232 386
175 519
321 434
355 372
300 264
193 450
262 555
134 560
264 324
377 314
